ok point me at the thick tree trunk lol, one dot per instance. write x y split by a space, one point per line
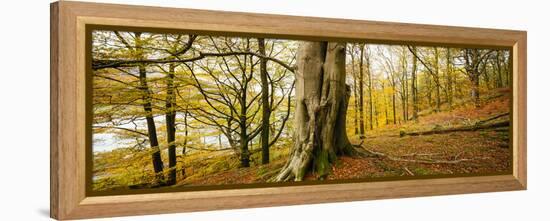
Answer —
321 103
266 109
472 62
171 125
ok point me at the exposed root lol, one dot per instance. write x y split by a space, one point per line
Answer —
360 151
284 175
420 154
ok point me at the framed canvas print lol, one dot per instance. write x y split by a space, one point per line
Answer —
160 110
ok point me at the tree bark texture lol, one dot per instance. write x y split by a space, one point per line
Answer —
321 104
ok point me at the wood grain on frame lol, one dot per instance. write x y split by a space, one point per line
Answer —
68 21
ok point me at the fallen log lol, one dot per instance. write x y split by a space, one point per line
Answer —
457 129
364 152
492 118
423 161
408 171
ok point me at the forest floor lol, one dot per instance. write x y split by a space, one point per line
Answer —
456 153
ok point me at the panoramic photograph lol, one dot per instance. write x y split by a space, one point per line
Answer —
175 110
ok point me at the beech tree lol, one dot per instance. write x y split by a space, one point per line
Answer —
320 116
473 60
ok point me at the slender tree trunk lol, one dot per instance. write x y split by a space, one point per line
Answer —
385 104
403 104
486 76
406 98
507 69
245 155
171 125
414 86
429 90
376 115
499 81
361 101
266 109
457 91
404 85
393 104
436 80
370 92
321 103
449 71
475 90
148 108
186 134
151 127
392 84
355 94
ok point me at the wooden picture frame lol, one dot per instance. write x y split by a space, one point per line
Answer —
68 108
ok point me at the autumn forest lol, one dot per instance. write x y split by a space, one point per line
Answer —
183 110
